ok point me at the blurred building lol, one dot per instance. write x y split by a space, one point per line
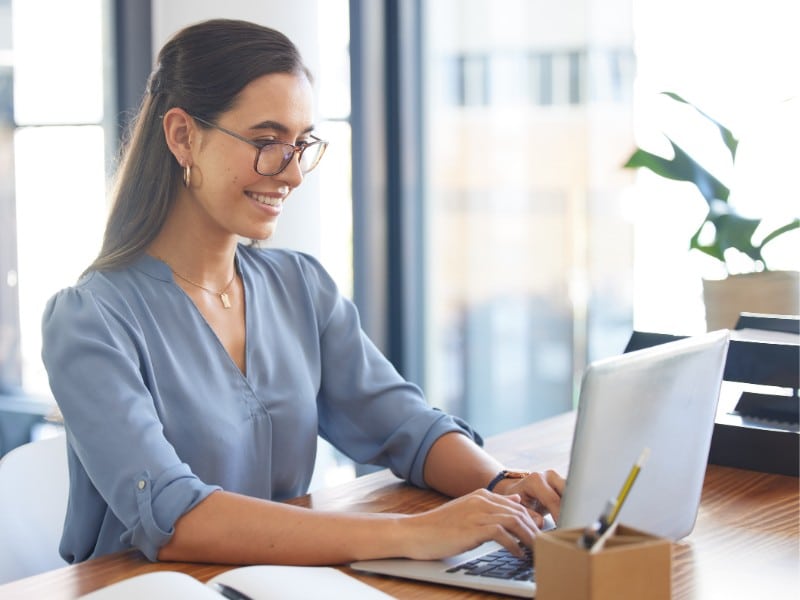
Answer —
529 118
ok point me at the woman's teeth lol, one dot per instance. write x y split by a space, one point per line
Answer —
264 199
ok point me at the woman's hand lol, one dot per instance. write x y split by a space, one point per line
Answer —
540 493
467 522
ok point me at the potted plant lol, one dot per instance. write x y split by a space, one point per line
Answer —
761 290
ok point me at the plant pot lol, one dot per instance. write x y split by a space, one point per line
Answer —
767 292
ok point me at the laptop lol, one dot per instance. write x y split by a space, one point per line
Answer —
663 398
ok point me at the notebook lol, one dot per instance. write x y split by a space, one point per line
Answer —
261 582
663 398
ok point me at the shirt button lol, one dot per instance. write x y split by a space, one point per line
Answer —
142 484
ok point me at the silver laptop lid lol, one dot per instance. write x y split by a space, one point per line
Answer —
663 398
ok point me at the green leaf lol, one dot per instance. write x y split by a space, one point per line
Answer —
794 224
735 231
714 250
731 143
730 231
681 167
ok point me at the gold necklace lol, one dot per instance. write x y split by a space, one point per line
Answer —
223 295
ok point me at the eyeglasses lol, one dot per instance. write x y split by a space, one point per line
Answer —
272 157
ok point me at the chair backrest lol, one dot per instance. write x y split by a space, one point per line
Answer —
34 484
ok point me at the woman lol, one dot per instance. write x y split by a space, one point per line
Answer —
194 373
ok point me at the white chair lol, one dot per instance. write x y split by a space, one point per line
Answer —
34 484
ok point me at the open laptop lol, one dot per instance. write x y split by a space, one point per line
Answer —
663 398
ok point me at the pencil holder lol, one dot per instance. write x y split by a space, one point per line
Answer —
632 565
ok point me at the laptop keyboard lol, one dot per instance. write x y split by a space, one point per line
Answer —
500 564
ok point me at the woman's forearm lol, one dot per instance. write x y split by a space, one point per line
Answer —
456 465
236 529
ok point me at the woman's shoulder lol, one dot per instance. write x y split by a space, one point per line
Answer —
291 275
283 263
80 309
277 257
104 291
91 287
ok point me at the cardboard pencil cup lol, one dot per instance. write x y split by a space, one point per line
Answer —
632 565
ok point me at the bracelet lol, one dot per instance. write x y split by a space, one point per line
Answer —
506 474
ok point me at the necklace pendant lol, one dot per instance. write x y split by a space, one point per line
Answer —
226 302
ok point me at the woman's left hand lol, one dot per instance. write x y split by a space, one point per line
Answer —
540 493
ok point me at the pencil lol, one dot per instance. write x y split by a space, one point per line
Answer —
626 487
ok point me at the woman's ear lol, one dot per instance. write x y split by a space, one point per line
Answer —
179 131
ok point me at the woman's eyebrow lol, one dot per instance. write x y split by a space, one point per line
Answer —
279 127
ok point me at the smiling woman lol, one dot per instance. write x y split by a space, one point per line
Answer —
175 93
221 363
273 112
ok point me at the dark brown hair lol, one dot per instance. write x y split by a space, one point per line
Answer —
201 69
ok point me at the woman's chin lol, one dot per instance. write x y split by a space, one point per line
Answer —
259 234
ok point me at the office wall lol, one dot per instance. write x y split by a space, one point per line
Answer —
300 223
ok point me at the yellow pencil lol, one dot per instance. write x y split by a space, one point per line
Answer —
626 487
595 531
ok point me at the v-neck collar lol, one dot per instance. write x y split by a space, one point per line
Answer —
158 269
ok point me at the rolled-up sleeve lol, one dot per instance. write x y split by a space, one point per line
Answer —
128 485
366 408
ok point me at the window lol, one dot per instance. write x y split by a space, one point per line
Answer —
54 133
336 207
538 254
10 360
522 286
336 245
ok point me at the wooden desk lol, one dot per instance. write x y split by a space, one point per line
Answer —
745 543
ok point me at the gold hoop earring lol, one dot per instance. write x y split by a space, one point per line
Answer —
187 175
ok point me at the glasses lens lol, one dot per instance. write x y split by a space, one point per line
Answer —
273 158
311 156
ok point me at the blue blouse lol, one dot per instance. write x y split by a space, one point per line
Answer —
158 415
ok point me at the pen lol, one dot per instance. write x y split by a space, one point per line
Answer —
609 515
230 592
